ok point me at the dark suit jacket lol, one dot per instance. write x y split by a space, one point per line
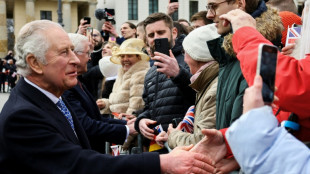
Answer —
97 128
35 137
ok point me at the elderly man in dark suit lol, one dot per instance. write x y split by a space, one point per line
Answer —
39 133
98 129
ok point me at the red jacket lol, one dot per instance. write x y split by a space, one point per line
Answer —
292 76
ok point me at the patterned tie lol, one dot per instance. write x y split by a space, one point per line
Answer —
63 108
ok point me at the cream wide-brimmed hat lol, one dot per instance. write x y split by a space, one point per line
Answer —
129 46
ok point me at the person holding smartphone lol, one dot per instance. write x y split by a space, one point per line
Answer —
204 81
278 150
84 24
166 91
291 77
172 7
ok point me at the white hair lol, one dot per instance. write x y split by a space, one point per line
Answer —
78 41
32 40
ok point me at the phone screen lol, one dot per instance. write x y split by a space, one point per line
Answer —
174 1
89 32
267 62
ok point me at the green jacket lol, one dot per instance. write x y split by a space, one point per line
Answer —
231 85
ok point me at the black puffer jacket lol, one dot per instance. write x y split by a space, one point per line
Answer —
167 98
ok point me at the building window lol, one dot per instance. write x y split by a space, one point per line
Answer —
132 9
46 15
153 6
193 8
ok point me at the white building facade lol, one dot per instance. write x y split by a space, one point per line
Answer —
122 14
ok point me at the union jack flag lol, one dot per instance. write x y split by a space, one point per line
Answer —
187 124
153 145
159 128
293 33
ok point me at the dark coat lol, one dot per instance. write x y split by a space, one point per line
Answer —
167 98
97 128
230 88
35 137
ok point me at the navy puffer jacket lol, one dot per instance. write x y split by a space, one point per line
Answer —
167 98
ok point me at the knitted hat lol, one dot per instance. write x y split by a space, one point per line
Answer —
288 19
195 44
129 46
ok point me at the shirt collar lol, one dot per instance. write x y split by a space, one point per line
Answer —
48 94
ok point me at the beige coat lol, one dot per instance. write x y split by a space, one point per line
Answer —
126 96
204 110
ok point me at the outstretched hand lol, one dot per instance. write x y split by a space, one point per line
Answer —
183 161
212 145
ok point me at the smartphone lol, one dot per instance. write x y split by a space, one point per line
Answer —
89 32
162 45
266 68
87 19
176 121
171 1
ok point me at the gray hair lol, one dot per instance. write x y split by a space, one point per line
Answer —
78 41
32 40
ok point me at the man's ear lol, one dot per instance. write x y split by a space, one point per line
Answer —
34 64
241 4
174 33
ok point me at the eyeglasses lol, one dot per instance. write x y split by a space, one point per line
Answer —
95 35
213 6
81 52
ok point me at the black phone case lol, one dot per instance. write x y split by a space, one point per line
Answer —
87 19
162 45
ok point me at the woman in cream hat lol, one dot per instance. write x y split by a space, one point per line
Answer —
130 78
126 96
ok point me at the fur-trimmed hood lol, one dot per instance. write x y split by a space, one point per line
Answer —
268 24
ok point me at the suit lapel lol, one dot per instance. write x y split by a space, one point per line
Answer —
87 100
53 113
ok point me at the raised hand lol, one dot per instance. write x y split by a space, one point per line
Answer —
238 19
166 64
172 7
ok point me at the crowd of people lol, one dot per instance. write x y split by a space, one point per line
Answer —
196 109
8 74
